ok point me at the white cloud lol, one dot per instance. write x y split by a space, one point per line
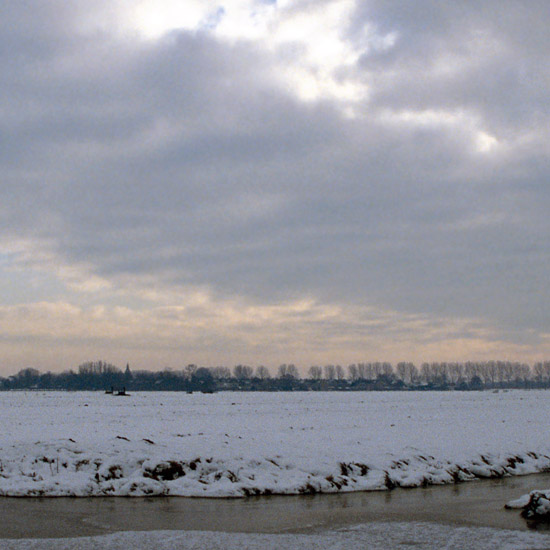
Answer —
485 142
308 41
453 120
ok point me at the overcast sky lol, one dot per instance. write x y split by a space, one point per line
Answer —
261 181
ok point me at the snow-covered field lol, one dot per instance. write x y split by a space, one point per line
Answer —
237 444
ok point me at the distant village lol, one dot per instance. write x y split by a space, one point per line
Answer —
404 376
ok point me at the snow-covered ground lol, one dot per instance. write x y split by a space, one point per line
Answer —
237 444
374 536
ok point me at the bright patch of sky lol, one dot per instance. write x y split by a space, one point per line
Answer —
310 39
482 141
22 285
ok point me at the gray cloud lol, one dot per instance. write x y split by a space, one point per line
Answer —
186 160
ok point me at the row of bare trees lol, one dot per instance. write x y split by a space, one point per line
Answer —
488 372
375 375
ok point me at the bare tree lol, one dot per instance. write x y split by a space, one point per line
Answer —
190 370
541 371
220 373
365 371
292 371
353 372
97 367
387 369
315 373
407 372
242 372
330 372
262 373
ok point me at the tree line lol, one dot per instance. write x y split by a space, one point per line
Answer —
100 375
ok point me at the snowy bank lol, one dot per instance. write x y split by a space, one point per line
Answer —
534 505
374 536
239 444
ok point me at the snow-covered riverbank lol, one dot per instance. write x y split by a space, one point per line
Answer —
375 536
236 444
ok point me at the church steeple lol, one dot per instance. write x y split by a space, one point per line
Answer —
128 373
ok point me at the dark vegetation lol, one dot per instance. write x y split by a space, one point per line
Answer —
100 375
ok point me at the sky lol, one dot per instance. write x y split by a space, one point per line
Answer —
273 181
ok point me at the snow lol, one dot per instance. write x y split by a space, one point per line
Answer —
535 505
236 444
374 536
